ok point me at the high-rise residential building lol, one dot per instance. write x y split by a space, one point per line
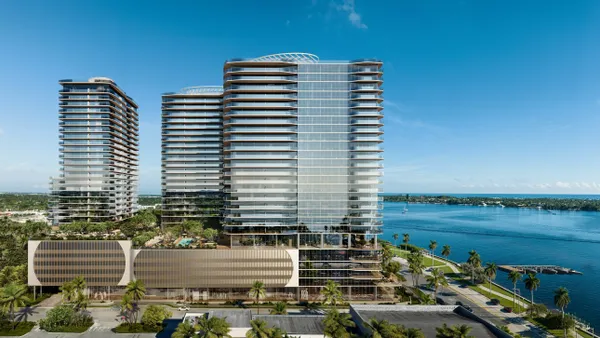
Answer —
300 143
192 155
98 131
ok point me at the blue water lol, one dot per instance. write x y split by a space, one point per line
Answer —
185 241
585 197
513 236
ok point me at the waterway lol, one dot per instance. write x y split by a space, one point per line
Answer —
513 236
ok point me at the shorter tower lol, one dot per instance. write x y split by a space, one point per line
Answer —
192 155
98 130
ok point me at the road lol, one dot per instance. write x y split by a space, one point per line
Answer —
479 304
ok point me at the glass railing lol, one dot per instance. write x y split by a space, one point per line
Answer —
261 78
261 104
365 104
261 87
260 69
260 121
260 130
365 78
262 112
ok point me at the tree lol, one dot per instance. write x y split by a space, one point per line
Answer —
154 316
97 227
432 246
490 272
414 333
415 266
561 300
64 316
12 296
446 331
386 254
436 279
192 227
395 236
337 324
514 276
405 238
136 290
332 293
537 310
532 283
68 291
128 307
184 330
446 251
213 327
210 234
392 268
258 291
258 329
81 301
280 308
474 261
79 284
427 299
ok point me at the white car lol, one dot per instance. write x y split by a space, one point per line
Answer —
183 308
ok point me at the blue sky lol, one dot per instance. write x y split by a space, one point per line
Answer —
481 96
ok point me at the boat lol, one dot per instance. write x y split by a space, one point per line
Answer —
483 204
502 205
405 209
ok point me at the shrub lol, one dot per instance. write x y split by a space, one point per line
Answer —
63 318
154 317
554 321
133 328
409 247
6 328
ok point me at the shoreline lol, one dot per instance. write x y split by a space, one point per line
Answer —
547 204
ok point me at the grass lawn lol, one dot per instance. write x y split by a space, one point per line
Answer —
22 328
503 302
426 259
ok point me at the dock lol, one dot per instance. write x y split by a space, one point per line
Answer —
545 269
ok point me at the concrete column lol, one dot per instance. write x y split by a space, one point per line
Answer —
322 240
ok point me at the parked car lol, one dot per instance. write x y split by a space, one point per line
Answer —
183 308
508 309
467 307
495 301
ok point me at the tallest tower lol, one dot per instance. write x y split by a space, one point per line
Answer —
98 153
301 145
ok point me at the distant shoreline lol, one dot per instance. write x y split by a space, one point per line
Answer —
543 203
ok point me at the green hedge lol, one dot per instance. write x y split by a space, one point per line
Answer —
21 329
135 328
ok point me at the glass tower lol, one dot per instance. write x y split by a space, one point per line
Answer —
192 155
98 130
301 145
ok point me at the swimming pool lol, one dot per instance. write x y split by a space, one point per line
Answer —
185 241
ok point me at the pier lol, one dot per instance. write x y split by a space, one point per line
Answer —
545 269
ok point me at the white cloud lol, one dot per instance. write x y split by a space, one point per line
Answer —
563 184
348 7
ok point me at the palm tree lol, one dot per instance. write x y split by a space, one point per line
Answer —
311 307
386 254
414 333
395 236
446 251
184 330
532 283
258 329
475 261
79 284
405 238
12 296
561 300
436 279
258 291
514 276
128 307
415 266
332 293
379 328
136 290
446 331
490 272
68 292
427 299
337 324
81 301
278 333
213 327
280 308
432 246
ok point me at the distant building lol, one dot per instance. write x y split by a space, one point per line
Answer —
98 131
